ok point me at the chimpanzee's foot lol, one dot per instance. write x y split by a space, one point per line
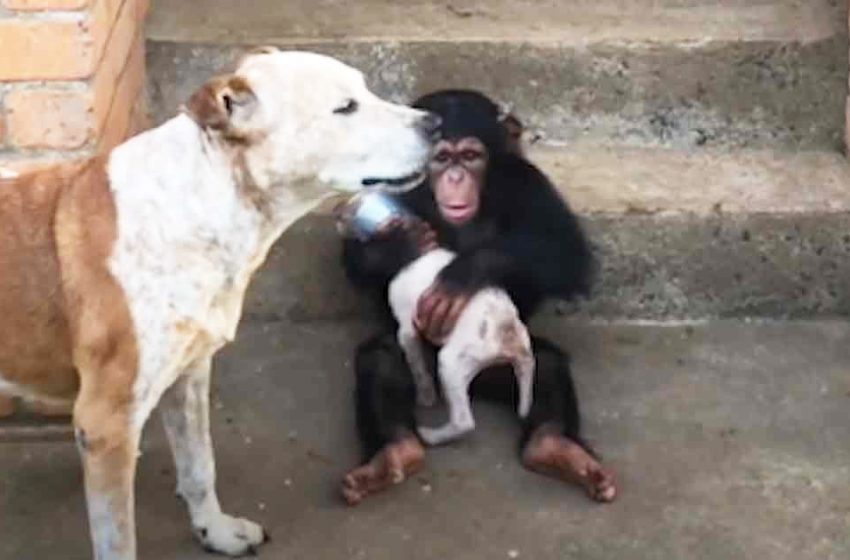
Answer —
390 466
560 457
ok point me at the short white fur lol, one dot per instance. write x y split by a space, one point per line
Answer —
489 331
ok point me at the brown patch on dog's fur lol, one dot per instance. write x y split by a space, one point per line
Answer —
510 337
211 106
104 344
35 339
208 107
64 321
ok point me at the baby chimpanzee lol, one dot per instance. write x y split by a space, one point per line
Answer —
509 229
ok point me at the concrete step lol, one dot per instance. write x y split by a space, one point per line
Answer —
698 139
675 73
730 441
705 234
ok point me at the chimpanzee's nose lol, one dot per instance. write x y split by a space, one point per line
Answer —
430 125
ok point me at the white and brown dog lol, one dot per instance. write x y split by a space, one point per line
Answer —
121 276
488 332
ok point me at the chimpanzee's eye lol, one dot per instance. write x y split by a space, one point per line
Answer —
441 157
470 155
350 106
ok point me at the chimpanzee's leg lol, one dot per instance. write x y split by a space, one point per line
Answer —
551 443
386 422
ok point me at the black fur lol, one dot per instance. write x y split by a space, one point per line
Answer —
524 239
385 393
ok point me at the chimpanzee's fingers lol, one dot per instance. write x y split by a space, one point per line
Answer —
428 241
436 322
424 306
457 306
390 225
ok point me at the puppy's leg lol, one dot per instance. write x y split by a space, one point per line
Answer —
426 393
524 371
108 443
456 374
185 414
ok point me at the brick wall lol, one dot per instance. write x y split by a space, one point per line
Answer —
71 77
71 82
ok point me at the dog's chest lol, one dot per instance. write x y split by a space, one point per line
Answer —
188 292
183 259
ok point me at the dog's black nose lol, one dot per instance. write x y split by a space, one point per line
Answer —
430 125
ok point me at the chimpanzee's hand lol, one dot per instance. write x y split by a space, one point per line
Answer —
389 227
438 310
423 236
423 233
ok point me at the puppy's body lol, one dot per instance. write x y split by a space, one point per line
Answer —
488 332
121 276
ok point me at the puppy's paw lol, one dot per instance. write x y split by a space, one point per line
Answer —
233 536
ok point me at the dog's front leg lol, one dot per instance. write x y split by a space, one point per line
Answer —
108 445
185 413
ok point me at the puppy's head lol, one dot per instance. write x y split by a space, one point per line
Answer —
301 117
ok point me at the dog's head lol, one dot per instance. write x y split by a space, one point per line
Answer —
298 117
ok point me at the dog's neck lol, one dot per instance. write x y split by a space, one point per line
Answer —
198 186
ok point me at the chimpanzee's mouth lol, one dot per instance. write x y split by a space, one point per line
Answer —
397 184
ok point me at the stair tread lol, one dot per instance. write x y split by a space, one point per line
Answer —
653 181
649 181
574 21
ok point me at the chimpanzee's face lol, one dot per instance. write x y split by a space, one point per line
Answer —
457 171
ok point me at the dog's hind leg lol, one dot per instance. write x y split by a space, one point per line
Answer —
426 392
185 414
456 374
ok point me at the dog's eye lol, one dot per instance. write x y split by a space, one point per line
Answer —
349 107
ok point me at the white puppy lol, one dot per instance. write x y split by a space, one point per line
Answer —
488 332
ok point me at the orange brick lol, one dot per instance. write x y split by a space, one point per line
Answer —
7 406
40 5
116 54
49 118
25 165
130 86
51 50
45 50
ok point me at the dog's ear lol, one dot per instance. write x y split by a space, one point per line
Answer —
515 129
224 103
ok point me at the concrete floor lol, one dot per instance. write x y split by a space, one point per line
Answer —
731 441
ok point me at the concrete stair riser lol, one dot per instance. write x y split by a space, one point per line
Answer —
716 95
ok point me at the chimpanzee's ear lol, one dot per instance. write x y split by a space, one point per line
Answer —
224 103
514 128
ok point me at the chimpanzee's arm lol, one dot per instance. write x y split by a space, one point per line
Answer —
373 263
540 250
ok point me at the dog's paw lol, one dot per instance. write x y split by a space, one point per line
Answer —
233 536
